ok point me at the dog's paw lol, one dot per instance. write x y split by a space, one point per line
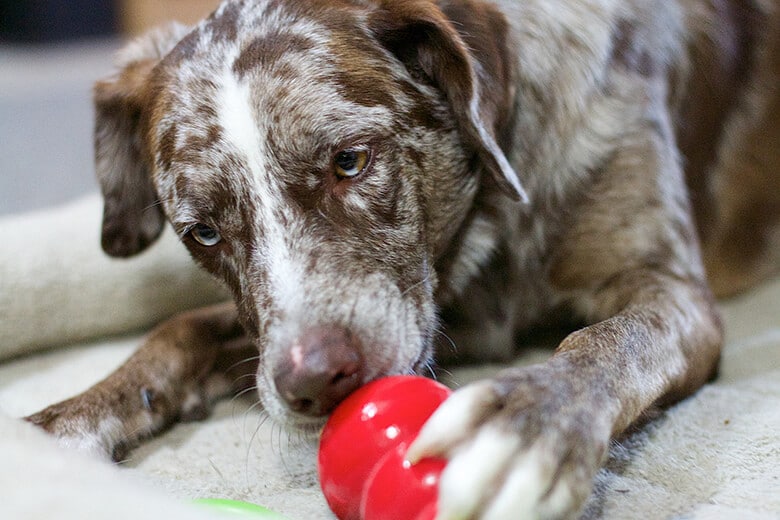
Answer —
77 426
109 419
524 445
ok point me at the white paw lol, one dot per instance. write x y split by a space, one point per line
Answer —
98 442
508 458
79 428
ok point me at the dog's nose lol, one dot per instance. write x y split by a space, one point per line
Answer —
323 367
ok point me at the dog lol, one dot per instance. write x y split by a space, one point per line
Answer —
382 184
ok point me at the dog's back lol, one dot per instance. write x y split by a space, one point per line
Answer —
722 62
729 135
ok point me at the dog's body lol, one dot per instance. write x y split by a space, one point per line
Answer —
356 169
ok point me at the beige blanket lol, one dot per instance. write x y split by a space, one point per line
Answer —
68 315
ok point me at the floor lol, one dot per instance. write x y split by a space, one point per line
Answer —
46 121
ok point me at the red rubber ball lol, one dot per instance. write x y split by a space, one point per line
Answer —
372 421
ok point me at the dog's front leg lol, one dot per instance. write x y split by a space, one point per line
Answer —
184 364
527 443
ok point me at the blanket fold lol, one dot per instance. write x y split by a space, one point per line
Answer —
57 287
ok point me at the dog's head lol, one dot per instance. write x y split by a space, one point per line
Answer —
318 156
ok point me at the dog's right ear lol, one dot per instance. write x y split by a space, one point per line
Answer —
132 216
423 38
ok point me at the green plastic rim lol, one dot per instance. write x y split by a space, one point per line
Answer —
239 509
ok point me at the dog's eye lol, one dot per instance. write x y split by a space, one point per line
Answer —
205 235
350 162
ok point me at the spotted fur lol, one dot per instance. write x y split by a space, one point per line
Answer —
527 164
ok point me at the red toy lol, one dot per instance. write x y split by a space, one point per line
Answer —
361 459
397 489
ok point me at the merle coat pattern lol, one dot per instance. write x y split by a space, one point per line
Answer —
377 180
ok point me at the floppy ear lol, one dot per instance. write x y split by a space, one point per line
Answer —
132 217
424 38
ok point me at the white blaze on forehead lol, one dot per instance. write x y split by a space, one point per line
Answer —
245 134
236 117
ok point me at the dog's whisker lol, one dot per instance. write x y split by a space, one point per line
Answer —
238 379
239 363
450 341
412 287
430 368
249 410
443 371
277 436
283 449
234 401
139 433
294 442
262 418
243 392
225 481
158 202
257 404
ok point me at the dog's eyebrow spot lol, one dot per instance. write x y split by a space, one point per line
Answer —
167 147
267 50
179 148
205 141
361 83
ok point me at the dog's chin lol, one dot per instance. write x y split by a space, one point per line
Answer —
306 428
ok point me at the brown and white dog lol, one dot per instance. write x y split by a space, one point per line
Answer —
374 179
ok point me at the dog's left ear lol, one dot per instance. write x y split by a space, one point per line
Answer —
424 38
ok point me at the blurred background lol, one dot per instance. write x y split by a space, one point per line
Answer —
51 51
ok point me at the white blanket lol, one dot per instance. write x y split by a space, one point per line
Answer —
715 455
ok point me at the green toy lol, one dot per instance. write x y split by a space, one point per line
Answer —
239 509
